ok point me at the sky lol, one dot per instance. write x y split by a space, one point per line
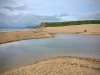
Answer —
23 13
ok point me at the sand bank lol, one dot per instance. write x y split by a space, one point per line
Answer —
64 65
6 37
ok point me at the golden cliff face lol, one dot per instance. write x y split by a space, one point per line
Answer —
42 24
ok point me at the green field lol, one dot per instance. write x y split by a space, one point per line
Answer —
54 24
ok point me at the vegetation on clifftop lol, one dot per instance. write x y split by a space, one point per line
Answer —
54 24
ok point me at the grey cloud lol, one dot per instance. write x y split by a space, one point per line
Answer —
7 2
93 16
4 19
24 7
23 20
63 15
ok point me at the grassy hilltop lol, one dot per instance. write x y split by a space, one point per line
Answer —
54 24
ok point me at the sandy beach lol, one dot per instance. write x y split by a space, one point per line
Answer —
64 65
75 29
47 32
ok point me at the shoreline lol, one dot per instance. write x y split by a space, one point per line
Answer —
70 62
75 64
12 36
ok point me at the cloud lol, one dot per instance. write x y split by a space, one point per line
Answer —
63 15
7 2
24 7
91 16
23 20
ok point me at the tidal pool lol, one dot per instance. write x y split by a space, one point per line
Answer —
24 52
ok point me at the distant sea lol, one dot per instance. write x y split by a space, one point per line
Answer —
7 29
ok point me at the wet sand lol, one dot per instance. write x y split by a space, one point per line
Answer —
6 37
63 65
